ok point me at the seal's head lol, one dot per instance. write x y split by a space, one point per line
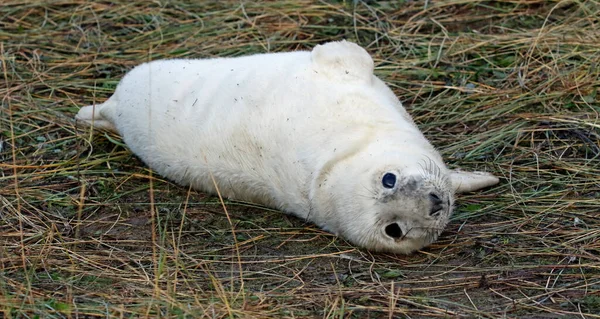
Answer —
382 185
410 207
393 201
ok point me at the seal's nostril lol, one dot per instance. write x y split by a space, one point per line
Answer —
436 203
393 230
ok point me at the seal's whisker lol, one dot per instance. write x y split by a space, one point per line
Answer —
370 191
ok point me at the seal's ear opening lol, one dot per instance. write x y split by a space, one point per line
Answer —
344 61
464 182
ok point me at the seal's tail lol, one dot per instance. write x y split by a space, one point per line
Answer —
91 116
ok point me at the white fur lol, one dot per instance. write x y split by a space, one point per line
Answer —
310 133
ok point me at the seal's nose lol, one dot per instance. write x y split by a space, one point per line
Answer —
436 204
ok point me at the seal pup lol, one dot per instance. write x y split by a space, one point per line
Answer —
315 134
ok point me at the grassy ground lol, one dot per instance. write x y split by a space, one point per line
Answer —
86 230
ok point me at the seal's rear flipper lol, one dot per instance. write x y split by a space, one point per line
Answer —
464 182
90 116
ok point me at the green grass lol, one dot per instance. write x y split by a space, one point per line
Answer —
504 86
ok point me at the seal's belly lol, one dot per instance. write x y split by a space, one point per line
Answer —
197 118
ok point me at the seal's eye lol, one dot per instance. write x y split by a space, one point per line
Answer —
393 230
388 180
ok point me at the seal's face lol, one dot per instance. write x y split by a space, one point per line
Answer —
411 208
393 204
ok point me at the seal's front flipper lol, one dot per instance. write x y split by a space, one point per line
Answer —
343 61
91 116
464 182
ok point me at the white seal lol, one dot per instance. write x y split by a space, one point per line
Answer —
314 134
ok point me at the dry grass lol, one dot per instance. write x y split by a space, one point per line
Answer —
506 86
